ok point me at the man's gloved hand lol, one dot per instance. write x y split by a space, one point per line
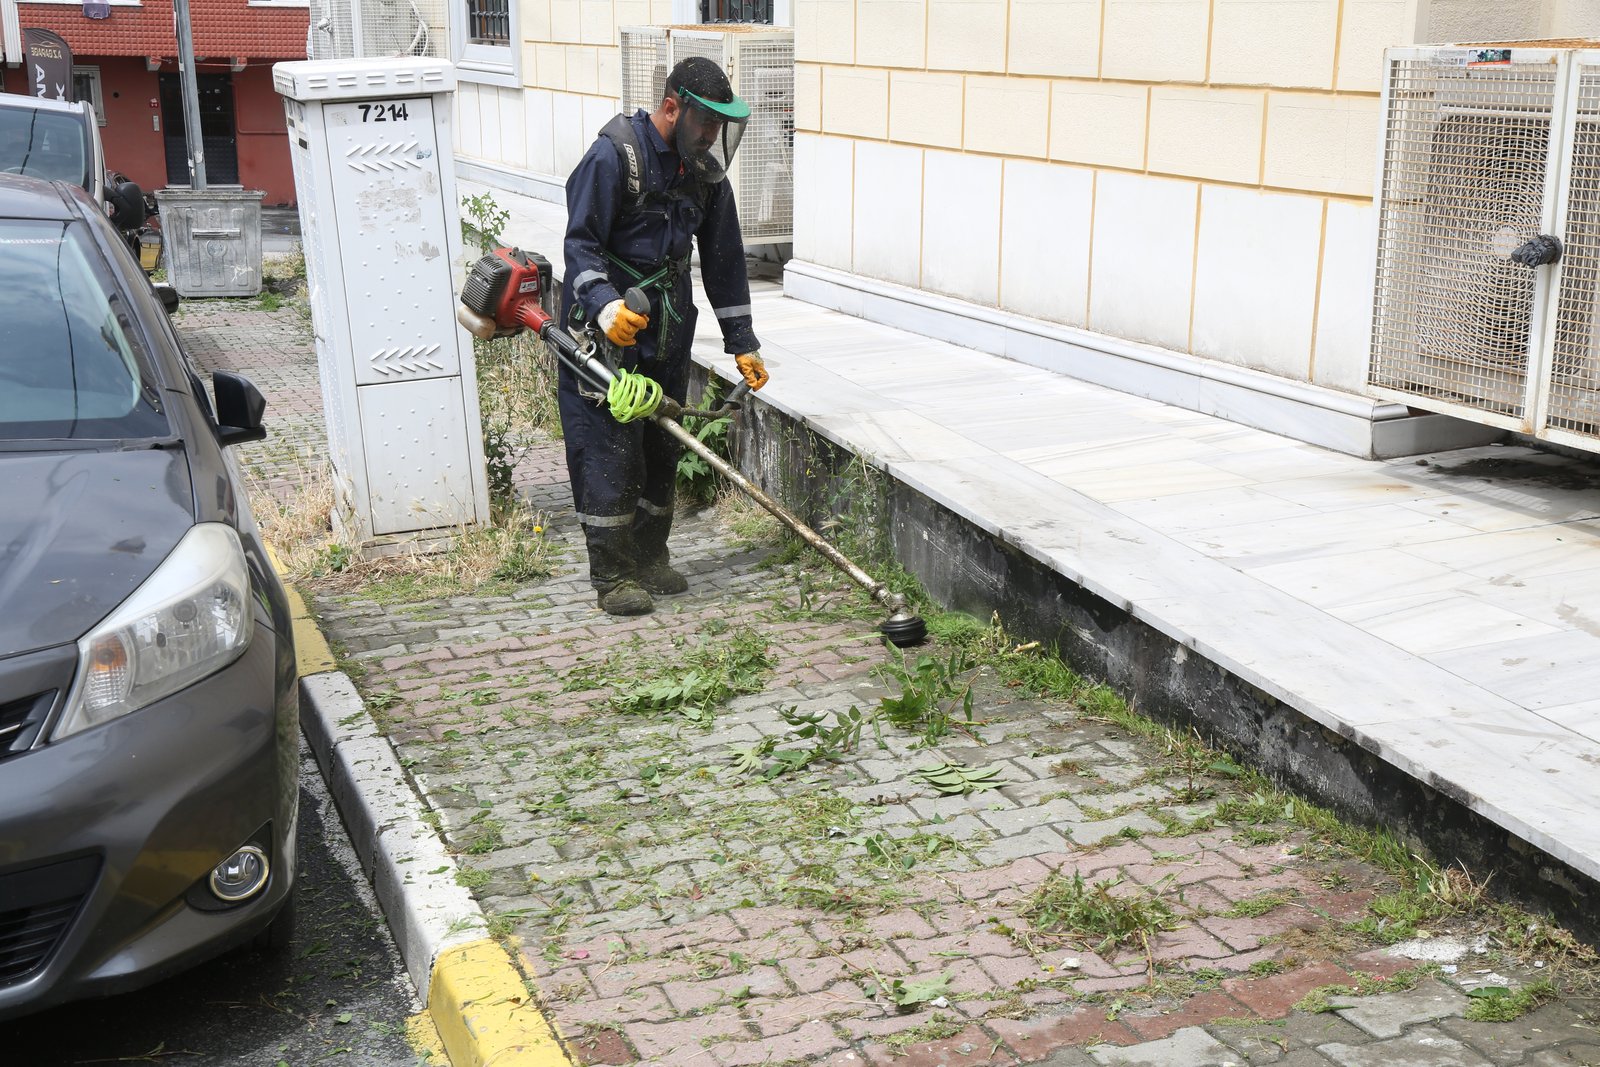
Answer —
754 371
620 325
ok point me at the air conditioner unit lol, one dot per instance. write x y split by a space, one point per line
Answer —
1485 149
760 64
360 29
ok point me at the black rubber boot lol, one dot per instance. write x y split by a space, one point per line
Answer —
627 597
662 578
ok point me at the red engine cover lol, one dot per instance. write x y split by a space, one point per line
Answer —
507 285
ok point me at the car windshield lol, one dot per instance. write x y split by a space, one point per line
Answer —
71 365
43 144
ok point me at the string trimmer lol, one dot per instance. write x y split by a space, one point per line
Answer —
506 293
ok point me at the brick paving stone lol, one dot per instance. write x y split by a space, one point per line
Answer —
807 1044
1580 1054
972 1045
1271 997
1541 1028
1387 1014
657 1040
1422 1047
1189 1047
1202 1010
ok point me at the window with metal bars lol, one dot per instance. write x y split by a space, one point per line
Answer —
489 21
736 11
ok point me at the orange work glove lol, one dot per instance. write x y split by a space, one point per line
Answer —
754 371
620 325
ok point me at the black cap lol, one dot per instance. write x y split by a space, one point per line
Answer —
702 77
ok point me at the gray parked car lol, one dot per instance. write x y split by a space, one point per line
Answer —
148 697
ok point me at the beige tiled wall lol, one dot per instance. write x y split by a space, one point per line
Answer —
1145 148
1114 164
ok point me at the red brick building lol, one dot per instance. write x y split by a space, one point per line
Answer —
127 65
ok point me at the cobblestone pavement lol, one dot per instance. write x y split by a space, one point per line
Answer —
684 892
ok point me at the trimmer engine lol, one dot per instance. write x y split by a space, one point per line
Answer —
505 292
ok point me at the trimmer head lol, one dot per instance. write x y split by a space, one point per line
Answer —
904 629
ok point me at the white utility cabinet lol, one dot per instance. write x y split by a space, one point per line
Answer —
374 174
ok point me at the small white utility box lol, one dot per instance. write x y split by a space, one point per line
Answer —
374 173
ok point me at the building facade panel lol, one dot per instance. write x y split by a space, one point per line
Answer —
855 101
967 35
1325 143
1102 123
926 108
961 226
1055 38
1142 268
1207 133
886 238
1255 285
1282 43
1007 116
1155 40
1045 234
892 33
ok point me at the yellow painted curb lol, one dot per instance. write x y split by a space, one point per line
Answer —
311 652
423 1037
484 1014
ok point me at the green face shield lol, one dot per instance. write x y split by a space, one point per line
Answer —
709 133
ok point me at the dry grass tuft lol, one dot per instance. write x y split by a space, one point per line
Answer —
748 520
297 521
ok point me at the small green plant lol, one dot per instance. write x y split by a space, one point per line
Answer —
472 878
698 483
1260 904
484 220
1068 905
930 690
270 301
1498 1004
903 994
501 453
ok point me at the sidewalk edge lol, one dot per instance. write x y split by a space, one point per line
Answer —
476 997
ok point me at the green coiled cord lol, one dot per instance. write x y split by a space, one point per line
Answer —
632 396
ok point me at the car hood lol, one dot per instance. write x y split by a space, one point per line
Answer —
78 532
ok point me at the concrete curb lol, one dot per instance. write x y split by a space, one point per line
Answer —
476 997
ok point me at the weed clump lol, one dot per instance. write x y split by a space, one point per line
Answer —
1073 907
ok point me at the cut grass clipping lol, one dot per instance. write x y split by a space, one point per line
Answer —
1071 907
710 674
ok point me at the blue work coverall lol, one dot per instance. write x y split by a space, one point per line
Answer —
623 475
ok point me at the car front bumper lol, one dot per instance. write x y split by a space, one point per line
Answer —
117 829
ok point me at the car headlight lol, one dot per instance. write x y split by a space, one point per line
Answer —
189 619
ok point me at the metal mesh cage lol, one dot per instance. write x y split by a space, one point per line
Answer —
350 29
1463 185
644 67
1574 392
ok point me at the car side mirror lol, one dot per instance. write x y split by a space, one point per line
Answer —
240 408
127 206
167 295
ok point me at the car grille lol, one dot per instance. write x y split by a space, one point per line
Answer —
36 908
20 721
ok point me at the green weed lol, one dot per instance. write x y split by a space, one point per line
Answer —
1063 905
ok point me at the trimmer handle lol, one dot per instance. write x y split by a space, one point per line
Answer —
736 395
636 301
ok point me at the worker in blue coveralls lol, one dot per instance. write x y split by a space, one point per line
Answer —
649 184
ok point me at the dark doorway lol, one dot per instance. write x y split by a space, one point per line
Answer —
216 130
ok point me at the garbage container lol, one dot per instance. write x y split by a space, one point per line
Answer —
212 240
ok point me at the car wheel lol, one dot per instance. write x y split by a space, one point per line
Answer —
280 931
